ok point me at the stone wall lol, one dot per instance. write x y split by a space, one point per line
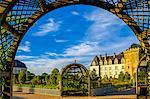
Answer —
131 60
29 90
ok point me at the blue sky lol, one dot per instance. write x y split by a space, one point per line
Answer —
74 32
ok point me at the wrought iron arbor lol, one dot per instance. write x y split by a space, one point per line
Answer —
17 16
75 80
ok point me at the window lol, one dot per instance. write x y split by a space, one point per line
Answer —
18 71
116 73
110 73
101 68
15 71
109 68
105 62
122 67
116 67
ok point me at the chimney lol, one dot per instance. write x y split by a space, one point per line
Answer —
114 55
105 56
100 57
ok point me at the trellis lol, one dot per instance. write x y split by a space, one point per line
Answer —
17 16
75 80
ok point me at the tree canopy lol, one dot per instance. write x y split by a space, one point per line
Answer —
22 77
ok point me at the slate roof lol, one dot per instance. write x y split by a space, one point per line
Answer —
19 64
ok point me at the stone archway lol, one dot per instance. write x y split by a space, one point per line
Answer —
17 16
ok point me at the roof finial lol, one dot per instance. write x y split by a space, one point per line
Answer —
75 61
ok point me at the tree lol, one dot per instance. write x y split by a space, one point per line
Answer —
94 78
127 76
47 79
44 74
29 76
34 80
22 77
105 78
141 75
135 45
14 79
55 77
39 80
43 77
121 76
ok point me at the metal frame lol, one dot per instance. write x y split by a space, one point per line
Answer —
17 16
69 74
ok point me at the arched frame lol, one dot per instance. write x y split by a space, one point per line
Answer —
17 16
83 73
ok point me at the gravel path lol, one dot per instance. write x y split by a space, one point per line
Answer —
17 95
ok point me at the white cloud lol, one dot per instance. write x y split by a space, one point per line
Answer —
119 45
52 54
103 25
75 13
38 65
88 49
83 49
21 57
101 37
60 41
46 28
25 47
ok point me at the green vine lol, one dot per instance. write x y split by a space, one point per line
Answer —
2 84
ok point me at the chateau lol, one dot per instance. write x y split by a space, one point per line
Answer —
18 66
111 66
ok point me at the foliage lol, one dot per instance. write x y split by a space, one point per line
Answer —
94 78
34 80
39 81
75 82
135 45
43 77
44 74
29 76
127 76
105 79
14 79
55 77
124 77
121 76
22 77
37 86
141 75
47 79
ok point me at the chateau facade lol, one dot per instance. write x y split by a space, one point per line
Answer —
111 66
19 66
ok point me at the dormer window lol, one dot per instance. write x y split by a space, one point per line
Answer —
105 62
122 61
116 61
110 62
101 62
